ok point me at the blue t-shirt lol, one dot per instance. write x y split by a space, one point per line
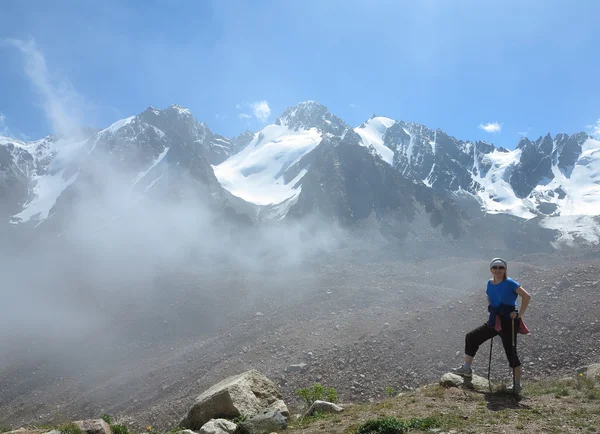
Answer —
503 292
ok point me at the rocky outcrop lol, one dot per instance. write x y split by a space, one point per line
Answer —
218 426
246 395
265 421
476 382
93 426
323 407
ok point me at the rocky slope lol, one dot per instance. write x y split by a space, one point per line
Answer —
358 326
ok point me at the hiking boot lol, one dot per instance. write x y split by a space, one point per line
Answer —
517 389
464 372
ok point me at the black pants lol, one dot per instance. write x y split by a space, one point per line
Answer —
478 336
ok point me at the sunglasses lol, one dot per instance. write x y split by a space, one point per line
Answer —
498 267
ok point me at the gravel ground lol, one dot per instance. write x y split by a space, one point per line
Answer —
357 325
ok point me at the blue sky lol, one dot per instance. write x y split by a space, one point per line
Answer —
531 66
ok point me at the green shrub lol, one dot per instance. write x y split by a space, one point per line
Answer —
383 425
70 428
390 391
119 429
106 418
317 393
331 395
391 425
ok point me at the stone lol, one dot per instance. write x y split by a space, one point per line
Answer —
239 395
93 426
323 407
476 382
218 426
266 421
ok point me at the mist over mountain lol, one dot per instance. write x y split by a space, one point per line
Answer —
309 162
156 235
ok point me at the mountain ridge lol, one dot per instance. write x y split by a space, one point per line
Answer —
548 177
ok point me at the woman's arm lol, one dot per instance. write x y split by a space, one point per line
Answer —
525 300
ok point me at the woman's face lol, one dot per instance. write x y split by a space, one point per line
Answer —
498 271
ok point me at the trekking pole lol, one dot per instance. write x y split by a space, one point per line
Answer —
514 352
490 364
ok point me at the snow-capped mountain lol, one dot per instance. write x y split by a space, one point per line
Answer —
310 161
153 151
546 177
264 171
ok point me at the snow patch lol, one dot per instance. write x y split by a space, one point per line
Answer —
255 174
118 125
181 110
47 190
497 195
572 228
141 175
372 134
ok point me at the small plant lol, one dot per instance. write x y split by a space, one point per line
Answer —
593 394
106 418
318 415
239 419
383 425
317 393
561 391
331 395
70 428
390 391
391 425
119 429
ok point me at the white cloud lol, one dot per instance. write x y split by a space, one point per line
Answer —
491 127
524 133
595 129
352 105
261 110
3 127
61 104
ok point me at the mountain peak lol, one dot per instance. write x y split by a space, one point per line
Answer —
311 114
300 112
180 110
172 109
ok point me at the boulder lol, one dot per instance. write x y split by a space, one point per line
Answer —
243 394
323 407
476 382
93 426
218 426
279 406
266 421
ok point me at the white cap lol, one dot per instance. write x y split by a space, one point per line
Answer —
498 261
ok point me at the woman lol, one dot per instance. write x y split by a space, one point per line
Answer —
502 293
